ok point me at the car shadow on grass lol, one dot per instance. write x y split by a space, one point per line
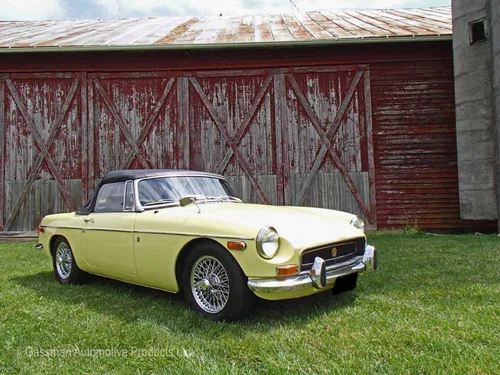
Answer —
131 303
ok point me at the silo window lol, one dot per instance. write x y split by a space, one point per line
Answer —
477 31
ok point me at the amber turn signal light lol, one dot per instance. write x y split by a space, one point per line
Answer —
288 270
236 245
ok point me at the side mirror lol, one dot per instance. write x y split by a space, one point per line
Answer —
187 200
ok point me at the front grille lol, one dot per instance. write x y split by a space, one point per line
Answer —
346 251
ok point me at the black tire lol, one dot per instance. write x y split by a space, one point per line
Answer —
345 283
63 261
221 293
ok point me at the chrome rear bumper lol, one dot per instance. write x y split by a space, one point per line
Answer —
313 281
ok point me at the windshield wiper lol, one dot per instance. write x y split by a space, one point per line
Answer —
230 198
161 201
222 198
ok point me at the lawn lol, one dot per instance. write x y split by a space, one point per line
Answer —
432 308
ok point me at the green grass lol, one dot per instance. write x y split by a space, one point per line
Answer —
432 308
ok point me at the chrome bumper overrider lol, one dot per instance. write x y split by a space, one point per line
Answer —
319 276
39 246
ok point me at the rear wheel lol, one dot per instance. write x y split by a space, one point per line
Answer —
345 284
65 268
215 285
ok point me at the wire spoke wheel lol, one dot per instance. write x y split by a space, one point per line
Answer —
63 260
210 284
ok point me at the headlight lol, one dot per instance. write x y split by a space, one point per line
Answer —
357 222
267 242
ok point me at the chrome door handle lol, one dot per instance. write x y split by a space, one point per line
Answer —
88 220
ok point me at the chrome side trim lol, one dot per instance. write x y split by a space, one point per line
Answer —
193 234
90 228
154 232
108 229
62 227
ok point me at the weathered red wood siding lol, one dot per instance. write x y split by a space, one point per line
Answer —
415 144
276 121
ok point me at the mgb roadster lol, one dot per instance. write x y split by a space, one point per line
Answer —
179 230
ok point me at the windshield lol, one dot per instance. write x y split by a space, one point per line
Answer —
165 190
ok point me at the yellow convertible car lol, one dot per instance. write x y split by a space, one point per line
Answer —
179 230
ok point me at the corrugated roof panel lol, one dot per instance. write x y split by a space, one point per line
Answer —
194 31
163 26
392 29
104 35
246 31
278 28
262 31
363 23
301 27
296 28
413 27
61 36
427 19
343 25
141 27
314 29
20 32
229 33
55 30
175 33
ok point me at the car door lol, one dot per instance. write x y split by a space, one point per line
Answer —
107 233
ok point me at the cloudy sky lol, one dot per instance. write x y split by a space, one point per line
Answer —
90 9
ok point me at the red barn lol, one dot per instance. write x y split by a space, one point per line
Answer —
351 110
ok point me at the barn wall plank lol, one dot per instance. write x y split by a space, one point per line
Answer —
183 122
415 144
84 136
2 152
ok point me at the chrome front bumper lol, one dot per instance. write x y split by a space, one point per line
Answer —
318 278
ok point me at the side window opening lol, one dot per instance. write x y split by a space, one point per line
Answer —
129 198
110 198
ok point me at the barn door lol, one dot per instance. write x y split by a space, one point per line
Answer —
327 157
41 122
232 130
299 136
136 121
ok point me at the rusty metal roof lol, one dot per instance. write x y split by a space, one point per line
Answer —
325 26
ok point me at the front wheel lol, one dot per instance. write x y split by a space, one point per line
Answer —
215 285
65 268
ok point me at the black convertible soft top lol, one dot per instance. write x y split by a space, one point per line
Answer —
134 174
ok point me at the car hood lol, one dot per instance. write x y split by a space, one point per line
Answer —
301 226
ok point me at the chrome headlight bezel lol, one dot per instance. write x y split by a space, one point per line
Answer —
267 242
356 222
